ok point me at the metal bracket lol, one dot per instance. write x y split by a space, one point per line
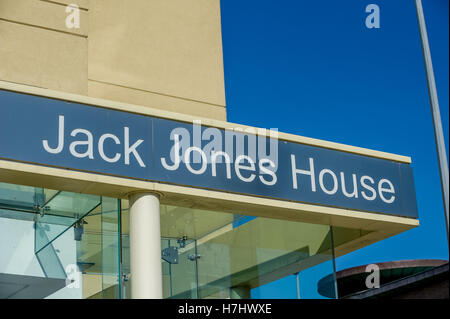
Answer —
193 257
182 241
41 210
170 254
126 277
78 229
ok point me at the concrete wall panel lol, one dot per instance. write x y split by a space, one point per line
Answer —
41 14
43 58
172 48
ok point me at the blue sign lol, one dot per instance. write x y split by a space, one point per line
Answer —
87 138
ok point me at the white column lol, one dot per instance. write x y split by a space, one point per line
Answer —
145 246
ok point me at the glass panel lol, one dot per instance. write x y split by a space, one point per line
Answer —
61 212
89 254
22 198
183 274
71 205
48 259
166 272
310 278
64 248
232 255
70 241
177 222
125 251
98 251
244 256
17 215
111 283
284 288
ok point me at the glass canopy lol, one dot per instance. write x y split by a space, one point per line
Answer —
82 242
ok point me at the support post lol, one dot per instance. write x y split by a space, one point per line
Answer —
145 246
435 112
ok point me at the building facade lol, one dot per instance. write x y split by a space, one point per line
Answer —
100 223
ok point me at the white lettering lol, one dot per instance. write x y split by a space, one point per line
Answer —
187 160
265 171
238 167
335 182
296 171
175 151
369 188
227 163
355 186
390 190
131 149
60 146
89 152
101 141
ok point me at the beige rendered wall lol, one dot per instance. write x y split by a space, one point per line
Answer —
165 54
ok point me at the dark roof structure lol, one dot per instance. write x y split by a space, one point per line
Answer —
396 278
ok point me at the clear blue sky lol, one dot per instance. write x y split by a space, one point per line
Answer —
312 68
